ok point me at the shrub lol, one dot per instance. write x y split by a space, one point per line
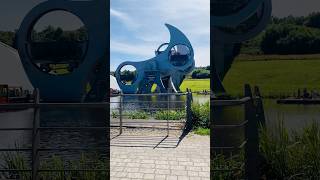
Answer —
200 74
138 115
170 115
201 115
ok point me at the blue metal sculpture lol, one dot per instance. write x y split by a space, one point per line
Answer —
227 23
91 72
167 70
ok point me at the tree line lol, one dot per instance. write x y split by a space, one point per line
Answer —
288 35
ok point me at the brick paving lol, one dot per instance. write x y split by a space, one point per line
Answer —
148 155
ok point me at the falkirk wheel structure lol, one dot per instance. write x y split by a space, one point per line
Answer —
166 70
232 22
86 60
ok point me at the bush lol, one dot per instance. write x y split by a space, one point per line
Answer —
201 115
200 74
138 115
170 115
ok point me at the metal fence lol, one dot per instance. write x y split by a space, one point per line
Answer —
164 111
253 118
36 128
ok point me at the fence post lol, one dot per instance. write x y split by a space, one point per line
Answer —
36 136
252 136
168 105
189 111
120 111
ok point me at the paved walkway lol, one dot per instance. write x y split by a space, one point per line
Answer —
150 155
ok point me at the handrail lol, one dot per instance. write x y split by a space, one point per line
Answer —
221 103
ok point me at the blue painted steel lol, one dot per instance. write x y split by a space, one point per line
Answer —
160 70
71 87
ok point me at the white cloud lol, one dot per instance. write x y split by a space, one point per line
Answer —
124 18
139 50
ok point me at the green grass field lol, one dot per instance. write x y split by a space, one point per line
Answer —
195 84
274 77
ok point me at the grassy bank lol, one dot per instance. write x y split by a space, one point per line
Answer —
195 84
67 169
284 155
273 77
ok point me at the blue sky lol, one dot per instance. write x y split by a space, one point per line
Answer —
137 28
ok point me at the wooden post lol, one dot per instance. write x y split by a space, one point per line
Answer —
252 136
36 136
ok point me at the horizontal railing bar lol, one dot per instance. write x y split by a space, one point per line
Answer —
164 109
49 149
15 170
154 94
159 121
54 128
143 127
152 102
230 126
50 170
232 147
224 170
32 105
15 149
73 128
65 170
218 103
16 129
70 149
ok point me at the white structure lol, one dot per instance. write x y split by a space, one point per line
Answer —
11 70
114 84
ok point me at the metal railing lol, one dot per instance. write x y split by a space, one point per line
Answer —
36 128
253 117
167 102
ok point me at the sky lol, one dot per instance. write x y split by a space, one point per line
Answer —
137 26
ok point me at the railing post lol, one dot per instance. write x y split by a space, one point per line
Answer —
120 112
252 136
36 136
189 110
168 107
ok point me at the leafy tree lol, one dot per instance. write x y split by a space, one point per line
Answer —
313 20
200 74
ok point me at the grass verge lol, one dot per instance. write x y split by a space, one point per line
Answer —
195 85
202 131
275 78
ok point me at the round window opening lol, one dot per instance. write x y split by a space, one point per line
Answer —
128 74
179 55
58 43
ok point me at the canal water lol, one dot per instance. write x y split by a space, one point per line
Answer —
295 117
